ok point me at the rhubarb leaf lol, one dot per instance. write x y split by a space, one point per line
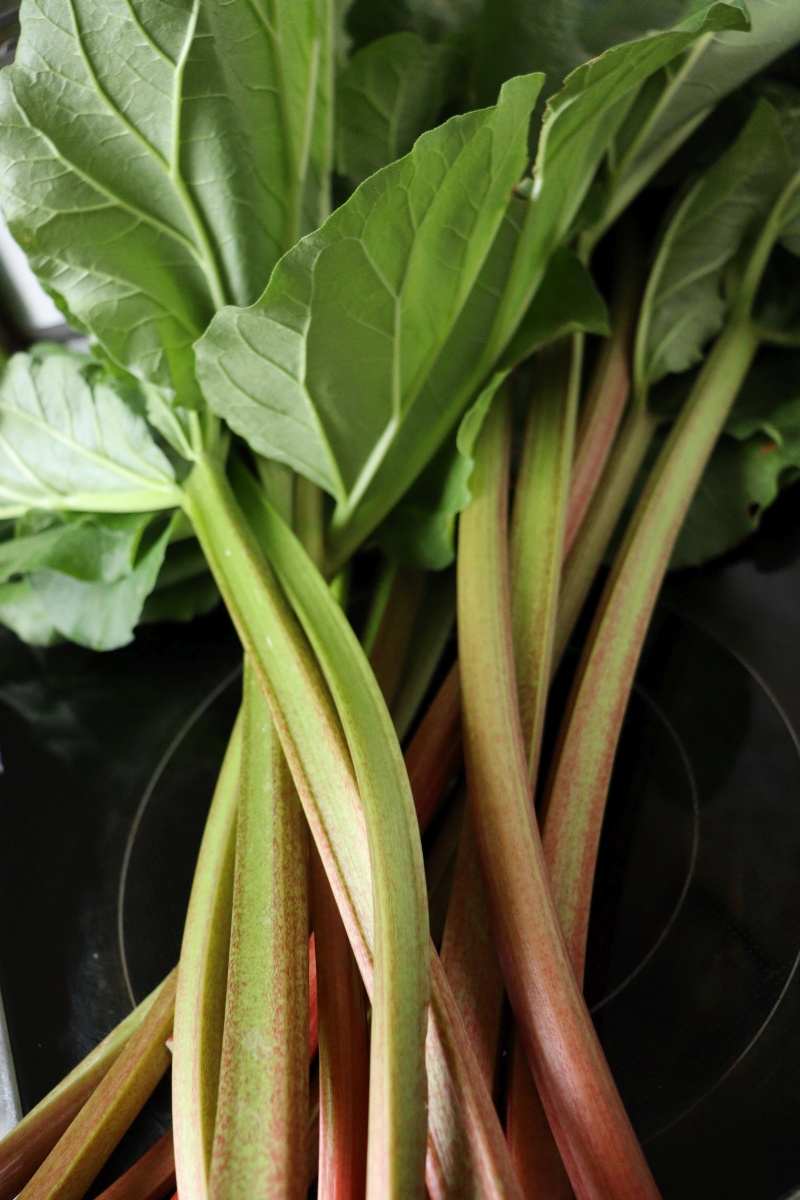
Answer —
685 301
327 373
101 616
389 94
419 531
579 126
69 441
687 90
96 549
22 611
155 159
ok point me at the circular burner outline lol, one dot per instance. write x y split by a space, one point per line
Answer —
767 690
163 762
667 724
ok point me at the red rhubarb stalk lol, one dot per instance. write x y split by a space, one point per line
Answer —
88 1142
26 1146
594 1135
582 768
262 1107
343 1052
608 392
151 1178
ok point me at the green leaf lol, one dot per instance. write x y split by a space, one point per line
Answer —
688 89
328 372
22 611
685 300
155 158
101 616
419 531
69 441
94 549
185 587
580 124
389 94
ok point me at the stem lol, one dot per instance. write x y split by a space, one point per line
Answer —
309 518
467 1154
151 1178
262 1108
343 1052
586 555
537 531
202 981
435 752
469 956
584 759
530 1139
430 636
26 1146
99 1126
608 392
392 640
440 864
398 1089
594 1135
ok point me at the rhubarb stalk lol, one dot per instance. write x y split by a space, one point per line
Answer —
26 1146
202 981
343 1052
594 1135
88 1142
262 1107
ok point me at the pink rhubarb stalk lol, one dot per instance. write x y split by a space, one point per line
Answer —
343 1052
151 1178
594 1135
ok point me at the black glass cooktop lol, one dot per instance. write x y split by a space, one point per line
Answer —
109 762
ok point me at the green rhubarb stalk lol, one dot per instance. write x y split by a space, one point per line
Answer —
594 1135
343 1052
26 1146
202 980
398 1085
111 1109
435 752
585 756
440 864
608 393
467 1154
262 1107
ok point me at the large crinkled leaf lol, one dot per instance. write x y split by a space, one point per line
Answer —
68 441
154 160
389 94
101 616
419 531
685 301
688 89
580 124
327 372
21 610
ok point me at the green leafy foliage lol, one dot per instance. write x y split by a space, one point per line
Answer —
70 441
579 127
686 301
389 94
328 372
757 456
151 173
420 529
